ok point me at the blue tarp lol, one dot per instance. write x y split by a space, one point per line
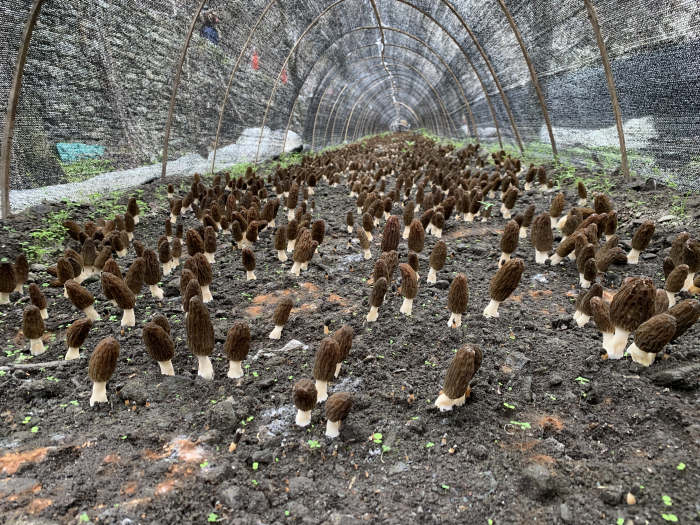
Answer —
70 152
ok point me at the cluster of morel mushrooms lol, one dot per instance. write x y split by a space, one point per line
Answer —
432 184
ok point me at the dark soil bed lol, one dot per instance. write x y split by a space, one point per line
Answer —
551 434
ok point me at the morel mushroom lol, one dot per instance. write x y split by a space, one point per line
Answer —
192 289
582 194
528 216
570 223
509 241
133 208
303 252
632 305
376 299
8 283
165 256
160 347
541 237
195 244
281 316
237 234
368 225
364 242
304 395
509 200
248 258
344 339
409 288
33 329
416 236
600 311
640 241
82 299
281 243
687 314
392 234
586 254
125 298
135 275
461 371
556 208
151 275
200 336
204 276
437 260
76 335
21 268
651 337
583 304
64 272
674 283
103 362
37 298
337 409
237 347
458 299
413 262
408 216
350 221
691 257
504 283
210 244
324 366
661 302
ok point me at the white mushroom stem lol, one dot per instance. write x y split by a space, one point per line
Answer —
290 214
73 353
469 217
321 391
90 312
277 332
432 275
36 347
305 265
386 215
505 257
359 210
282 256
99 393
155 291
130 236
523 232
607 336
671 299
562 222
444 403
332 429
170 196
688 282
633 256
44 314
430 227
121 253
506 213
528 185
210 257
438 232
553 221
65 294
173 218
407 306
455 320
174 263
136 219
370 237
89 270
166 268
416 209
585 283
373 314
367 253
234 369
492 194
296 268
271 224
311 190
128 319
337 368
249 276
205 368
503 207
492 309
616 345
206 294
639 356
166 368
406 231
582 319
303 418
582 202
376 222
541 257
291 244
19 288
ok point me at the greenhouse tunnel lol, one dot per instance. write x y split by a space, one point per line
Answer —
121 86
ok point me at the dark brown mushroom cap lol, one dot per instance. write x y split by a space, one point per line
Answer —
88 252
653 335
582 193
177 247
293 197
164 254
248 259
691 256
304 394
338 406
195 244
124 297
281 238
416 236
362 236
64 270
349 219
176 206
215 212
187 275
8 282
281 314
344 339
103 361
193 289
509 239
611 224
111 266
605 259
380 270
158 343
458 296
438 220
596 290
21 268
367 222
590 271
251 233
151 275
438 255
642 237
600 311
104 255
668 266
506 280
587 252
326 359
687 314
133 206
304 248
602 204
129 223
376 298
392 234
529 215
541 237
678 247
408 213
78 332
236 231
530 175
32 323
209 240
237 343
413 261
73 228
115 241
161 321
318 231
77 268
409 281
135 275
661 302
557 205
79 296
36 296
510 198
426 218
200 331
676 279
464 365
573 220
205 275
633 304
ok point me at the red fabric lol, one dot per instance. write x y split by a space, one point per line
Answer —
256 61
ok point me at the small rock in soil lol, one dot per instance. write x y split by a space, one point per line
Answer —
565 513
301 485
538 483
262 456
683 378
612 495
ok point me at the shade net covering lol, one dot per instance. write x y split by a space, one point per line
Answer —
262 76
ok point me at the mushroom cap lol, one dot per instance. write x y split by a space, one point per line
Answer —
281 238
605 259
318 231
582 193
304 394
32 323
193 289
506 280
200 331
426 218
583 301
338 406
654 334
88 252
687 314
379 289
151 274
204 271
458 296
661 302
573 220
642 237
79 296
600 311
510 237
529 215
611 225
195 244
678 246
408 213
380 270
633 304
64 270
510 198
248 258
251 232
135 275
416 236
73 228
392 234
78 332
409 281
668 266
691 256
413 261
158 343
326 359
362 236
541 237
237 343
36 296
209 240
464 365
438 255
120 292
557 205
602 204
367 222
344 339
676 279
186 276
282 311
566 246
162 321
103 360
586 253
293 196
8 281
21 268
236 231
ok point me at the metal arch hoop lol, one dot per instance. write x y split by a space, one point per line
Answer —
12 104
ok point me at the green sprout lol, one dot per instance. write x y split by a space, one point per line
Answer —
667 500
509 406
523 425
212 517
313 444
681 466
377 437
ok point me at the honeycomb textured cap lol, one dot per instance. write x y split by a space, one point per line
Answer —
379 290
458 296
464 365
200 331
158 343
686 313
103 360
344 338
416 236
32 323
36 296
78 332
125 298
633 304
506 280
654 334
642 237
409 281
79 296
338 406
281 314
438 255
304 394
326 359
237 343
600 310
510 237
676 279
392 234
